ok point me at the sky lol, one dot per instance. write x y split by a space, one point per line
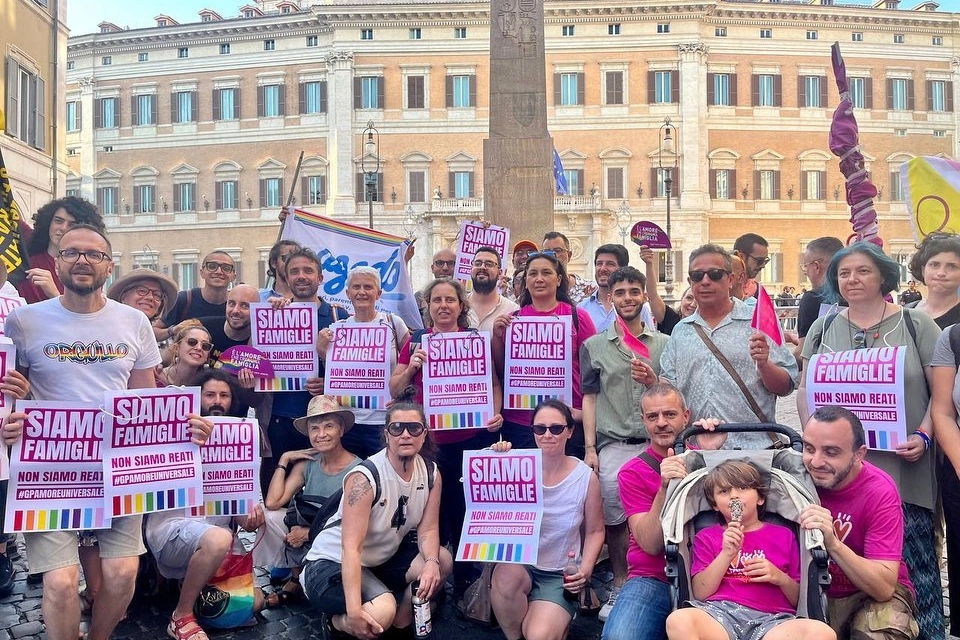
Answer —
84 15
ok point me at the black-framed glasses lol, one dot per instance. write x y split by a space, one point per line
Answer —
92 256
555 429
413 428
222 266
143 292
192 342
761 262
439 264
715 275
860 339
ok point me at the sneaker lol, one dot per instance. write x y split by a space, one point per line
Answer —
608 607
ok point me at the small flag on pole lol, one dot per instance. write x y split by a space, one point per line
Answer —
765 317
562 187
632 342
10 246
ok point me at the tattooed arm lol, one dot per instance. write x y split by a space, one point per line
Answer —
356 505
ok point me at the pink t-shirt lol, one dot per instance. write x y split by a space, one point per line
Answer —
585 330
639 485
771 541
867 517
439 437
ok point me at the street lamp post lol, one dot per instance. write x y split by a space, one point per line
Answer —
668 160
370 165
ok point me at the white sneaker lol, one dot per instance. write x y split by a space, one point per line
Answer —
608 607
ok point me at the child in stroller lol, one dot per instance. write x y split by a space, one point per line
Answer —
746 572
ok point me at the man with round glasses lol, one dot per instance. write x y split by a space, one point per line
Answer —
486 303
723 367
217 271
98 345
384 536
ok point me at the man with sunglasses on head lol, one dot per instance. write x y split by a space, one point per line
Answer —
217 272
717 336
753 249
74 348
486 303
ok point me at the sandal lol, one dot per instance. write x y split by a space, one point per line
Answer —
290 593
186 628
589 602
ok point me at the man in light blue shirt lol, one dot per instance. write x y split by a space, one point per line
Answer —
607 259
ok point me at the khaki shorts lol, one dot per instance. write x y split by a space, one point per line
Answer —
613 456
57 549
859 616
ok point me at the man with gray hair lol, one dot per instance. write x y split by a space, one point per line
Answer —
722 365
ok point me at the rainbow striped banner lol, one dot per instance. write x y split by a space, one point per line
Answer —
462 420
128 504
498 552
25 520
362 402
526 401
281 384
224 508
538 353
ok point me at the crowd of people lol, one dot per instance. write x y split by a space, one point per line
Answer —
363 509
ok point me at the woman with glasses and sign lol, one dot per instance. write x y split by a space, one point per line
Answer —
546 294
384 536
539 601
447 308
857 368
191 351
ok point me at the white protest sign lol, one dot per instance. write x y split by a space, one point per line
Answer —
868 382
56 472
457 380
504 496
474 235
358 365
287 336
231 468
149 463
538 361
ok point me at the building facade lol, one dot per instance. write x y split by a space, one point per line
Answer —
33 41
187 135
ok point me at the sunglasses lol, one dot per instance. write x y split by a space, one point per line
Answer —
213 266
860 339
555 429
413 428
761 262
715 275
192 342
542 254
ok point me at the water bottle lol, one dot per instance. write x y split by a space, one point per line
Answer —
422 625
572 569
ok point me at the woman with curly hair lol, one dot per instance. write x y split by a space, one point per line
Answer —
936 264
50 223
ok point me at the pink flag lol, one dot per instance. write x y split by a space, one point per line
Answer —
632 342
765 317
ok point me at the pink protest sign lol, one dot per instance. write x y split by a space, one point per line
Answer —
474 235
504 497
457 382
8 304
231 468
56 472
240 356
358 365
149 463
287 337
538 361
650 234
868 382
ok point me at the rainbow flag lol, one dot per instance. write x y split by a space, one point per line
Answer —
931 191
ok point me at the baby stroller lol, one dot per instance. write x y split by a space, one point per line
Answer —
686 511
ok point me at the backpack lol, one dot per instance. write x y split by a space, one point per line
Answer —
330 507
955 343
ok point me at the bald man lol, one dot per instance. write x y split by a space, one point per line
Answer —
234 328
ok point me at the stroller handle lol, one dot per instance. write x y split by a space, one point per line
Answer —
796 442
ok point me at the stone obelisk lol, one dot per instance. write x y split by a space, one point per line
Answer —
518 182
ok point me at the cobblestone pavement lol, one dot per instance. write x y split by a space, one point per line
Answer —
20 612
